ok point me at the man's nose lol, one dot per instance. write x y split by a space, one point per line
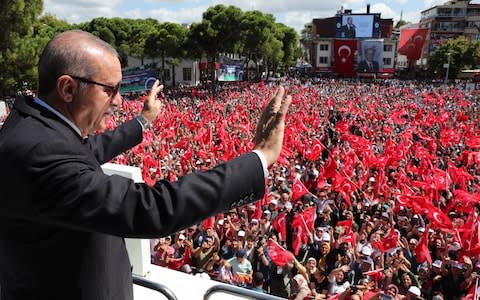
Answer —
117 100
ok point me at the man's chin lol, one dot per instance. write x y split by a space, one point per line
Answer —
102 125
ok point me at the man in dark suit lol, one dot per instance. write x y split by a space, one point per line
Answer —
349 29
62 220
368 64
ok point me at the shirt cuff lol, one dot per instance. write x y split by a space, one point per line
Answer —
141 124
264 162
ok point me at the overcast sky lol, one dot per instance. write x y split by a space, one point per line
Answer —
294 13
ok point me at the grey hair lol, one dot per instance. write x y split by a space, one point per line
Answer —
65 54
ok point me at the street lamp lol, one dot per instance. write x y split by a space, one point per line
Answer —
448 67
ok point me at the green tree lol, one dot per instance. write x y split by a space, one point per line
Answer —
464 54
256 29
306 40
18 50
218 32
290 43
167 41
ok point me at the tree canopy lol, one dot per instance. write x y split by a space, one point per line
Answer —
223 29
464 54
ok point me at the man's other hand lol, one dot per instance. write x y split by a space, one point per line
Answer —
152 106
271 127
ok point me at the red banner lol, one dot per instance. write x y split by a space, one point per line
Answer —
411 42
344 54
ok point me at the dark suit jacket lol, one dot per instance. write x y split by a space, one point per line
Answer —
62 220
363 67
349 32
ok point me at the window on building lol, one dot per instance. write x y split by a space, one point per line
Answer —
323 47
187 74
388 48
323 60
387 60
167 74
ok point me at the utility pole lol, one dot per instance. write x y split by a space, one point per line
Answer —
448 67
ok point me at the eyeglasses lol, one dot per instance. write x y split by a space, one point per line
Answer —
110 89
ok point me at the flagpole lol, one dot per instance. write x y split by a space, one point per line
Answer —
475 296
305 223
277 244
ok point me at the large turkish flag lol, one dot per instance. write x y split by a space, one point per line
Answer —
411 42
344 55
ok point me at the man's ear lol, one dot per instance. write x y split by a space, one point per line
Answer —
66 87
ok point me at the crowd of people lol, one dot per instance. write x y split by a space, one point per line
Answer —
375 195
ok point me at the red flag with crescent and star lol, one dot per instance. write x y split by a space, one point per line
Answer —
299 190
344 53
279 255
411 42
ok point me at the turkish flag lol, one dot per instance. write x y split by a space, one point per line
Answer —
279 225
388 242
472 141
303 222
315 151
344 54
299 190
258 211
411 42
208 223
472 292
440 179
279 255
376 275
346 223
439 219
422 252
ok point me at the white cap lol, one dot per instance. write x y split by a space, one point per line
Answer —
181 237
220 222
385 215
241 233
371 179
267 212
273 201
414 290
437 263
326 237
254 221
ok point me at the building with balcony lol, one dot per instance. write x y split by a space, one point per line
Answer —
448 21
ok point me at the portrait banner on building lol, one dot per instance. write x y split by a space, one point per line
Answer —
411 42
344 56
370 56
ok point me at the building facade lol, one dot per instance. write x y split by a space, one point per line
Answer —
448 21
325 31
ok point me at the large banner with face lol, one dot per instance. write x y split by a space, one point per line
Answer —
370 56
353 26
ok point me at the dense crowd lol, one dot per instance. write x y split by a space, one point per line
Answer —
375 195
